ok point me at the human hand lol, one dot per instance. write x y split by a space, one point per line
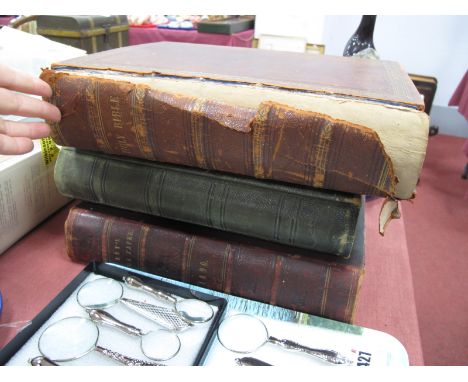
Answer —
16 137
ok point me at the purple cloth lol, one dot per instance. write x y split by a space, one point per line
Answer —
146 35
460 99
5 20
460 96
465 147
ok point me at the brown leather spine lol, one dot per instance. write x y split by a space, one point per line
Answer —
252 269
273 142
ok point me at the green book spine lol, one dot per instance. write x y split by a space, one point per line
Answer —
298 216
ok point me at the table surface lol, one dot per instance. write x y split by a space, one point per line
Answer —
36 269
146 35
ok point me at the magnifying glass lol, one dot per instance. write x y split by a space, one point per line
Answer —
104 292
243 333
74 337
192 310
158 345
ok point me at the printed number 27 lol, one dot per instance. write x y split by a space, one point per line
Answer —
364 359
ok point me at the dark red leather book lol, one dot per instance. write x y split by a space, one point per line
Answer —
289 277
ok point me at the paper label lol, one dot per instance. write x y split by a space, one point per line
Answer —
49 150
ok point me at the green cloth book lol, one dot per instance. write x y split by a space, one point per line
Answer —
298 216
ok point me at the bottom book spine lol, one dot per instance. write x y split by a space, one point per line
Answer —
278 275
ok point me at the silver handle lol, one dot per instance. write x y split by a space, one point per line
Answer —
136 283
42 361
251 361
331 356
101 317
163 316
128 361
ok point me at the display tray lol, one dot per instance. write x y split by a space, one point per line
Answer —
194 342
201 345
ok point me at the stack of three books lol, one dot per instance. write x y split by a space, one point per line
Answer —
241 171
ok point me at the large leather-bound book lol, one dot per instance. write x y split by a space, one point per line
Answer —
302 280
316 219
329 122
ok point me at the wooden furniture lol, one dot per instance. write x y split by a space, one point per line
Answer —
427 87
